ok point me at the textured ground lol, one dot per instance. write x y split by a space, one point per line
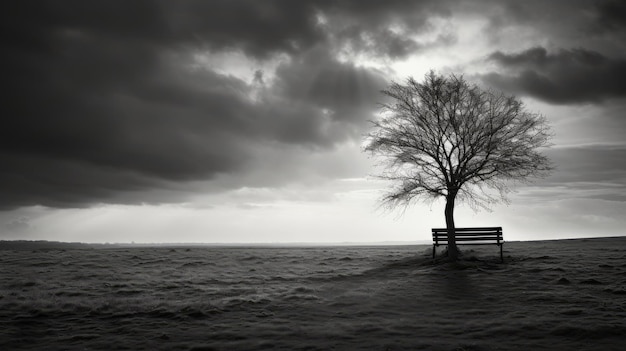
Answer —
552 295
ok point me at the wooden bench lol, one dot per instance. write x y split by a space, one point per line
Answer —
470 236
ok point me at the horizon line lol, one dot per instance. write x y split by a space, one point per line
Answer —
273 244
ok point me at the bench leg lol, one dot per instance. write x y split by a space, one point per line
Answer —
434 249
501 257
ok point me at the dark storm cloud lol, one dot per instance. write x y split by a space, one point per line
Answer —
565 76
612 14
383 29
103 102
172 125
379 43
259 28
153 125
562 17
319 78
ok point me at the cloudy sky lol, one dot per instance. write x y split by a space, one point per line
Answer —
243 121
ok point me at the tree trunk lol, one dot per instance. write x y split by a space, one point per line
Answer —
453 252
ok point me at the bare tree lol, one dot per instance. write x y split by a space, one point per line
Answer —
447 138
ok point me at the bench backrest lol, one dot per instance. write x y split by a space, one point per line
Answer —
486 235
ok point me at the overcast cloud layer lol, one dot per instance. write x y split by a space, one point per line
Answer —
132 102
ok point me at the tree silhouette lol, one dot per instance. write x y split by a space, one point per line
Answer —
447 138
